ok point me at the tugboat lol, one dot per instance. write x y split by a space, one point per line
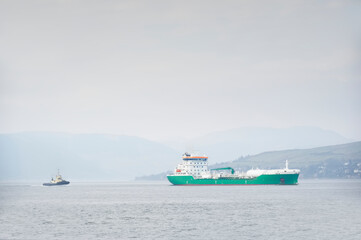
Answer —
57 181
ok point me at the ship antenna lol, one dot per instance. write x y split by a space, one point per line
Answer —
286 164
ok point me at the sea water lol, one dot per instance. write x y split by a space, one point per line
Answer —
314 209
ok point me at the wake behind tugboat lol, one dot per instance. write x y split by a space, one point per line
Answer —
57 181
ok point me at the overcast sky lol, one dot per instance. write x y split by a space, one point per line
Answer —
160 69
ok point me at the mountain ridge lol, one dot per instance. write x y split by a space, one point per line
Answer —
335 161
93 156
32 155
230 144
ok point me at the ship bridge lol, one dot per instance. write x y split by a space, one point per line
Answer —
193 164
191 157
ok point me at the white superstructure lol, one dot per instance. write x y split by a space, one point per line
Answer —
194 165
197 166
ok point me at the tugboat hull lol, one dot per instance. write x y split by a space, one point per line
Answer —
56 184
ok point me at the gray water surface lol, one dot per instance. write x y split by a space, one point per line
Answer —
314 209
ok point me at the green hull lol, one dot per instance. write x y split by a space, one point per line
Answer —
279 179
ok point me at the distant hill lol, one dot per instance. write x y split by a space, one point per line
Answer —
103 157
154 177
337 161
229 145
81 157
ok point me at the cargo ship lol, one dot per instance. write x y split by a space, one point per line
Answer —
194 171
57 181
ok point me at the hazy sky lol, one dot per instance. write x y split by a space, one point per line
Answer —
160 69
